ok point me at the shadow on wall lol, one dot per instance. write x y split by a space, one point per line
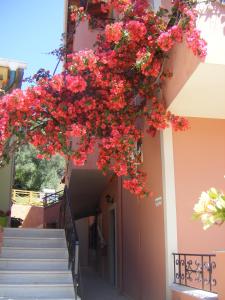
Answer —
32 216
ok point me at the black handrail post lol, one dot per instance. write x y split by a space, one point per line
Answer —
185 270
210 273
202 269
179 268
174 268
44 201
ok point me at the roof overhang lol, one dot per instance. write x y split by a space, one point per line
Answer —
85 189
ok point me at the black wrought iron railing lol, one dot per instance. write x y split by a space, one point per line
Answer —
50 199
66 221
195 270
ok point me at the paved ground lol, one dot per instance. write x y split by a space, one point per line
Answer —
96 288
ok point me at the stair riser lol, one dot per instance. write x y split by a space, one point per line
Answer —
33 265
17 278
32 243
39 292
34 253
28 232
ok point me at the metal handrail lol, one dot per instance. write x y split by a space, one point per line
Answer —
66 221
52 198
195 270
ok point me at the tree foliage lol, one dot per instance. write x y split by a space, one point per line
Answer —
35 174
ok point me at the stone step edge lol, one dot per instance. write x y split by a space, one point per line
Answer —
36 298
33 229
32 238
35 259
33 248
38 272
28 285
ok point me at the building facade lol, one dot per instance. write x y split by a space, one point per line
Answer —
130 241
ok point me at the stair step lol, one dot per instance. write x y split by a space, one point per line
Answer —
20 252
33 264
35 277
33 232
27 291
36 298
31 242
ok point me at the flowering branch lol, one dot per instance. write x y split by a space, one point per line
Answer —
102 93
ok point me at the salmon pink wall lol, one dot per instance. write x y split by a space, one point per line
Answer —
32 216
112 190
84 37
143 233
51 214
152 225
182 63
131 246
199 158
90 164
140 232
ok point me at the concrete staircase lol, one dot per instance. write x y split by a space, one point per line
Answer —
34 265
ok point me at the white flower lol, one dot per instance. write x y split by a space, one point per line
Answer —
210 208
204 197
220 202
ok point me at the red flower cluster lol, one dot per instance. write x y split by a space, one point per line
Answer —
113 32
137 30
102 94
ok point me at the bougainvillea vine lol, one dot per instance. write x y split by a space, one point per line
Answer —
102 94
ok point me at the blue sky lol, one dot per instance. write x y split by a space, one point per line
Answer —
30 29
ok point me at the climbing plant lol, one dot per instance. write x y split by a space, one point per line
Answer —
102 94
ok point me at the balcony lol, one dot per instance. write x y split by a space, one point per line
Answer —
197 88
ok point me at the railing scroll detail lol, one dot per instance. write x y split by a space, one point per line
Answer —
195 270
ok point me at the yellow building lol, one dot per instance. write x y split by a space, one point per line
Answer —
11 74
